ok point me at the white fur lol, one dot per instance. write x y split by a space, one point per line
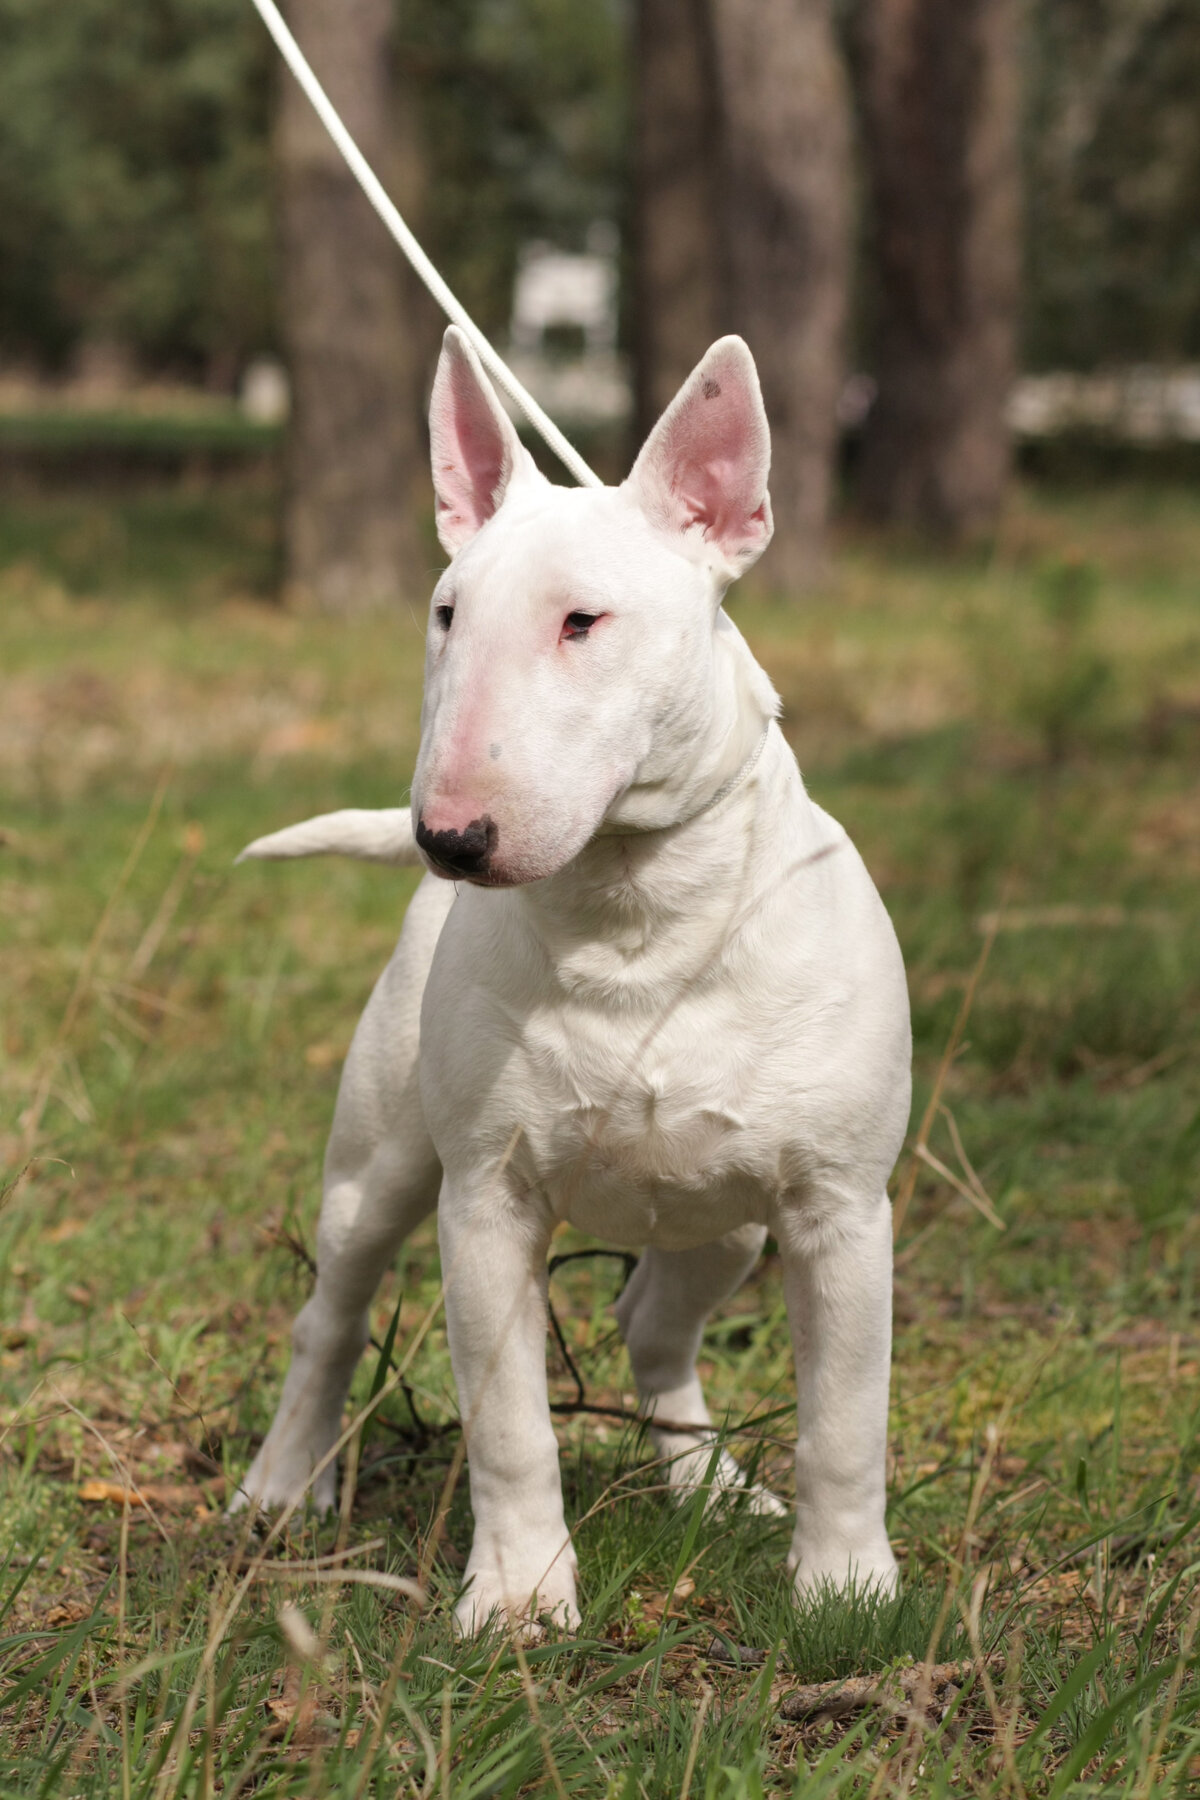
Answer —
677 1024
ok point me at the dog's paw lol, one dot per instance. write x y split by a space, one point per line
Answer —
871 1570
278 1478
489 1599
758 1500
688 1466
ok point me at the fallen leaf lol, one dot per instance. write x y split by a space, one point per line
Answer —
66 1612
168 1495
294 1708
297 1712
654 1605
324 1056
66 1228
96 1492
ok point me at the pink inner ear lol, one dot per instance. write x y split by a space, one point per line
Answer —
708 458
471 459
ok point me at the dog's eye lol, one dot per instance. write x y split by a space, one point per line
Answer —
444 616
577 625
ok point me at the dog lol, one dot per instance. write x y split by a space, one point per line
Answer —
646 986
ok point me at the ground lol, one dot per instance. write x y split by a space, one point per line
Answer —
1012 738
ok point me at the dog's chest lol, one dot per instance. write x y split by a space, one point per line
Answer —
644 1136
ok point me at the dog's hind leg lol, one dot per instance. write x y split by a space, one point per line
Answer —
661 1314
381 1179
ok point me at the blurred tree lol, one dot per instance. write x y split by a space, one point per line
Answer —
680 255
358 329
1112 159
939 97
134 190
787 214
524 109
743 210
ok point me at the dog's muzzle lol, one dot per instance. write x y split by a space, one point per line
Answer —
464 853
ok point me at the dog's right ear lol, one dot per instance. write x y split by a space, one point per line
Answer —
474 448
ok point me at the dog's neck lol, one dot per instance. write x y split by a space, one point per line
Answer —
675 864
700 753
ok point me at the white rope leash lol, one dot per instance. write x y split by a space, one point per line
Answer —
495 365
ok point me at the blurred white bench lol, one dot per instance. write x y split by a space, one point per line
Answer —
556 289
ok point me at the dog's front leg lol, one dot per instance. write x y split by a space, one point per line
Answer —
837 1258
522 1563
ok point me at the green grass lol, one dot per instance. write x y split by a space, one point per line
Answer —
1016 732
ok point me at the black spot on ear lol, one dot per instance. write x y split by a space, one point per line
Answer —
711 388
494 751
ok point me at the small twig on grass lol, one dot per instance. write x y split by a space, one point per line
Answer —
291 1241
907 1186
979 1201
373 1578
689 1767
332 1559
898 1691
1004 1720
968 1167
168 906
535 1711
32 1118
123 1698
1148 1785
10 1187
580 1402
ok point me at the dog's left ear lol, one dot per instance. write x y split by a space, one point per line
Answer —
702 472
474 449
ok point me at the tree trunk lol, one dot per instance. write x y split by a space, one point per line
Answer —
679 261
742 208
356 328
940 113
787 207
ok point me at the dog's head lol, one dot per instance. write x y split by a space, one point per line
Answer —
572 644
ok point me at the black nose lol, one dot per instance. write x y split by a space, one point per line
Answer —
465 852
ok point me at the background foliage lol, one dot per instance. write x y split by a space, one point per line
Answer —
1112 145
135 170
135 178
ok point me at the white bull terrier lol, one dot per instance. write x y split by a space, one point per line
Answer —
647 987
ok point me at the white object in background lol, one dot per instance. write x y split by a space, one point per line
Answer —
1147 404
265 396
560 288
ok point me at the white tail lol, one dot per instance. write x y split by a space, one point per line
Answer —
383 837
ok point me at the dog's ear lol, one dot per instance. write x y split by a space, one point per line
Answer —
474 448
702 472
